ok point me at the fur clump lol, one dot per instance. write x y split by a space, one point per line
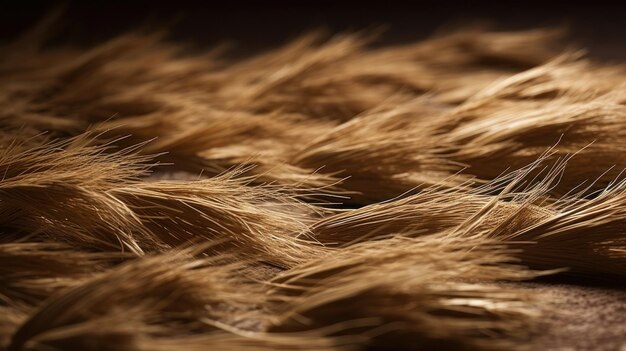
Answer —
100 203
32 271
586 233
513 122
420 294
158 295
323 195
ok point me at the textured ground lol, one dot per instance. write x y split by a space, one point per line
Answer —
585 318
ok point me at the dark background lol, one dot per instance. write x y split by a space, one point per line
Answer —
253 25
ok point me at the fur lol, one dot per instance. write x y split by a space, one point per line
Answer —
324 195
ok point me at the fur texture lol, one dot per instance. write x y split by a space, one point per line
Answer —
324 195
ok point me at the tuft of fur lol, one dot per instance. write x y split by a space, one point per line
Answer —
98 202
420 294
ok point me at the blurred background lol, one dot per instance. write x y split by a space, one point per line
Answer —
256 25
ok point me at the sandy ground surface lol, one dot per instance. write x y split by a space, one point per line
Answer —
584 318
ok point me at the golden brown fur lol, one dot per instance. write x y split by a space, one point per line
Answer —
324 195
